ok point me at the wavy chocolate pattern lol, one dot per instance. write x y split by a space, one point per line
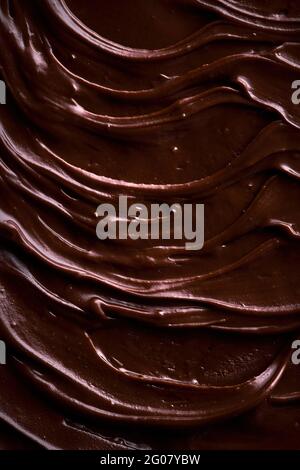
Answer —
138 345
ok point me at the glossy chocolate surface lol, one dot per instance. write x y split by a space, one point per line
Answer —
141 344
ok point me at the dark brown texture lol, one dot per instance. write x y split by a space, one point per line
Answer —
123 344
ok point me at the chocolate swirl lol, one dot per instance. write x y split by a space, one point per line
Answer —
141 344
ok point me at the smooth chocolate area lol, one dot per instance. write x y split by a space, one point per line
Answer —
141 344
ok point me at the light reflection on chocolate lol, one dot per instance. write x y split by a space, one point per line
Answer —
139 344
